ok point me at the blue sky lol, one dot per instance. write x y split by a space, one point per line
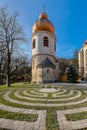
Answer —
68 16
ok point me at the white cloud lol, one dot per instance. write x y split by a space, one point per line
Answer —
67 51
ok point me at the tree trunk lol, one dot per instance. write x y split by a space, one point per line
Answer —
0 76
0 79
7 80
8 71
1 82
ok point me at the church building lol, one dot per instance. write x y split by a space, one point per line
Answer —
45 67
83 61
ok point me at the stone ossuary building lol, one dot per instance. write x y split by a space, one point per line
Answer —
83 61
44 63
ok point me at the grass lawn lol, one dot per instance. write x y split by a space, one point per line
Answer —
18 116
76 116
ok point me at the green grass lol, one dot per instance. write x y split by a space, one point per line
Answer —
76 116
18 116
65 93
65 97
51 120
49 95
11 95
28 92
3 101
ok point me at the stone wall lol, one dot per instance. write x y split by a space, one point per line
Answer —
39 53
37 60
83 62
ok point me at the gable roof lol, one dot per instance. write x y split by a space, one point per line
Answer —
46 63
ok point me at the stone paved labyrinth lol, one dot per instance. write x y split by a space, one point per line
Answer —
47 107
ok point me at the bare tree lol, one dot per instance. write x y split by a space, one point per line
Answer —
11 34
2 61
21 69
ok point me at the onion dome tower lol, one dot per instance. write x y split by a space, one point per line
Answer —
43 50
43 24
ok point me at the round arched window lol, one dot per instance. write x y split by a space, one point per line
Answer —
34 42
46 41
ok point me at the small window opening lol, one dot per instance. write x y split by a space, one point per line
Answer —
46 41
33 43
47 70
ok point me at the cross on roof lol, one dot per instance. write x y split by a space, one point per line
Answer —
43 8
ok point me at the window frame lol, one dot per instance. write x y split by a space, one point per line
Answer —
48 71
34 43
45 41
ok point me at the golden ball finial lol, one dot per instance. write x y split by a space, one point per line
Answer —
43 16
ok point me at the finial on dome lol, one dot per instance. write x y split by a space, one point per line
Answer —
43 8
43 23
43 14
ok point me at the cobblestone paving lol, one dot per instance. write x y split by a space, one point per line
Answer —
6 97
55 100
71 125
19 96
36 94
21 125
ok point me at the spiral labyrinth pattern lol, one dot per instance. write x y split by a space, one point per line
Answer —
43 101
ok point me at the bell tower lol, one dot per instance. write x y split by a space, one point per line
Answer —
44 64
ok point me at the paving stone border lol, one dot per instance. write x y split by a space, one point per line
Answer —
47 90
29 98
71 125
63 95
6 97
36 94
64 90
32 95
40 124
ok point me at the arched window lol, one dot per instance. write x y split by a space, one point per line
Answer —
33 46
82 58
46 41
47 70
54 47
